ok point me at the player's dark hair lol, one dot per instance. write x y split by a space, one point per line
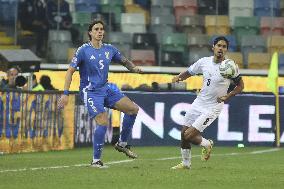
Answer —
221 38
92 24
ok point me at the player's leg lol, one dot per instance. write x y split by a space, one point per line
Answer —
96 110
130 111
99 139
116 100
185 149
193 133
189 118
185 152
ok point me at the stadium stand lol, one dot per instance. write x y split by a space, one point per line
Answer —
237 57
133 23
266 8
245 26
192 24
272 25
87 5
115 7
281 8
252 43
58 44
240 8
122 41
162 24
141 20
259 60
217 25
184 8
174 42
143 57
275 44
212 7
8 11
172 59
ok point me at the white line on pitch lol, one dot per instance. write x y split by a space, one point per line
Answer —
62 166
130 160
265 151
228 154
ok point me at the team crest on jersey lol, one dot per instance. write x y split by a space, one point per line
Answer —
107 55
74 60
93 57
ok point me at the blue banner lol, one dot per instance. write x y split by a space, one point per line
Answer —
32 122
248 119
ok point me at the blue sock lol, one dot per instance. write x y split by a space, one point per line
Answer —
127 125
99 140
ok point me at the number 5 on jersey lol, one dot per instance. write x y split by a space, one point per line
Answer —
101 64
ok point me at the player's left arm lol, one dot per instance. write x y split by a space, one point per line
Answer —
238 81
129 65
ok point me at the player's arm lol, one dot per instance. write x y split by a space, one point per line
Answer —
129 65
68 79
182 76
238 89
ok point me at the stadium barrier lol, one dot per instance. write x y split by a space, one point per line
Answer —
31 121
247 118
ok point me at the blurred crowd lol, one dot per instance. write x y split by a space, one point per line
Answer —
39 16
15 80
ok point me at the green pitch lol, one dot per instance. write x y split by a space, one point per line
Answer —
229 167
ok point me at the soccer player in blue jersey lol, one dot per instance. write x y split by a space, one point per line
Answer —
93 59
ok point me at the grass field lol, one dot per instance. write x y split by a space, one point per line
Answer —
228 167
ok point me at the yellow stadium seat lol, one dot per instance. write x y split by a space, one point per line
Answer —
128 2
237 57
137 9
6 41
2 34
9 47
217 25
259 60
275 43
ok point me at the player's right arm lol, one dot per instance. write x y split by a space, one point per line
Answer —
63 101
182 76
192 70
76 61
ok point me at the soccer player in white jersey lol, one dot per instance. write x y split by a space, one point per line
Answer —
209 102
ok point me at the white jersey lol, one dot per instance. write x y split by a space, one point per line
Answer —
214 85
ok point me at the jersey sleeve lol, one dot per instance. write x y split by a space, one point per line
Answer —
77 58
116 55
195 68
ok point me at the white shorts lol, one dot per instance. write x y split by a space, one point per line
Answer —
201 119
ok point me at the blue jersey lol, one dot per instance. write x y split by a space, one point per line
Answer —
94 63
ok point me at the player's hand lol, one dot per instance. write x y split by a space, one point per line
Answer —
63 101
222 99
176 79
136 69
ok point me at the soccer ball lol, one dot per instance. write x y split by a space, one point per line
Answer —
228 69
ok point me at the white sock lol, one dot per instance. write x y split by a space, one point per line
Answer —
205 142
186 156
95 160
123 144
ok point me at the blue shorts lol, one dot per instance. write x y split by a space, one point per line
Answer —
96 99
